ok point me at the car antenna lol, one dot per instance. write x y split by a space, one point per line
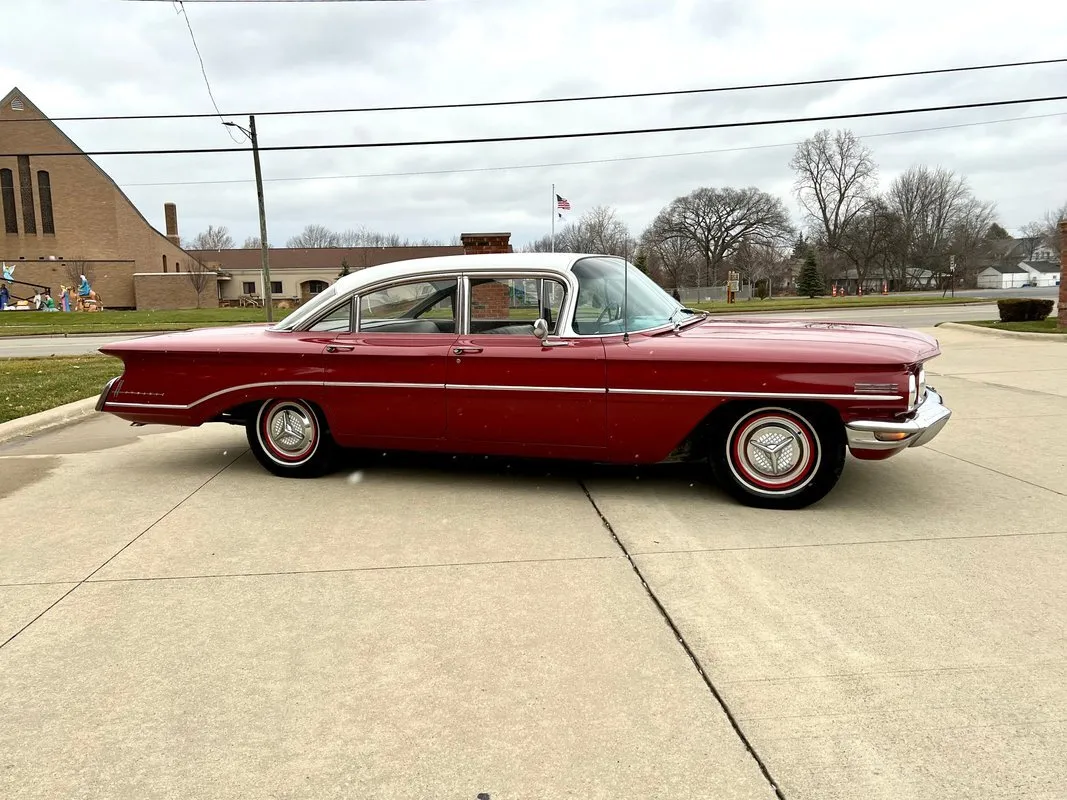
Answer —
625 297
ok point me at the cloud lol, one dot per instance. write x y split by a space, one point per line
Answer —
296 56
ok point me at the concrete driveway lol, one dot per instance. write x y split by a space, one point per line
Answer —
178 623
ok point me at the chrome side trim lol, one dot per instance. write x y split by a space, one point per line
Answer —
773 395
564 389
493 388
212 396
383 385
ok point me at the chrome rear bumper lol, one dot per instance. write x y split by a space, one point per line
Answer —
930 417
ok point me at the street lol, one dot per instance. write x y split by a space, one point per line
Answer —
176 622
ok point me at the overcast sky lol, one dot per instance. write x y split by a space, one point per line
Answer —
82 57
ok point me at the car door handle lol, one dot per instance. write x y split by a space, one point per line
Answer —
339 348
461 350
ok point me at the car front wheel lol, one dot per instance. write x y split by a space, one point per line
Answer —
778 457
290 439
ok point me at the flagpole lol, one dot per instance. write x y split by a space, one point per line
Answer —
553 218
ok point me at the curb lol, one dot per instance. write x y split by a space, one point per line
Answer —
47 420
1047 337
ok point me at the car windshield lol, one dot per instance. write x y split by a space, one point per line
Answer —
308 310
602 297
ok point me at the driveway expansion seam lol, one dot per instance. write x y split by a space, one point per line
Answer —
118 552
997 471
688 650
848 544
342 570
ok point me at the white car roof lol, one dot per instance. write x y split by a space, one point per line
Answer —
552 262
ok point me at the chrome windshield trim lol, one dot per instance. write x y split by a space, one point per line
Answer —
781 395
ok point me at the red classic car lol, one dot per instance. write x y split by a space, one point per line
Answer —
545 355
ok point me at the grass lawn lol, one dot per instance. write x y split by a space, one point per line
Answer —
852 301
1044 326
29 385
28 323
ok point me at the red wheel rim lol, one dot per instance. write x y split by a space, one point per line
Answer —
773 451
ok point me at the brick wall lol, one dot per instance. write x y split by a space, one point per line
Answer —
476 243
490 301
93 219
1062 305
158 291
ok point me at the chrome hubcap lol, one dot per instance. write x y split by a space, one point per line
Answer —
774 450
291 429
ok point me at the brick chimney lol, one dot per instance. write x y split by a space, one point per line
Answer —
474 243
170 213
1061 309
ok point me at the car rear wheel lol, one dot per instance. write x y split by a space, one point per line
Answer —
777 456
289 438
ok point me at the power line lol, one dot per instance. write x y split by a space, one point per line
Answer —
585 162
203 70
550 136
573 99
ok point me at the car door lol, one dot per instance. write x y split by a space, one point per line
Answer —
505 385
385 375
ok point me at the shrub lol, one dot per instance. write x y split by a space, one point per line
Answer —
762 289
1024 309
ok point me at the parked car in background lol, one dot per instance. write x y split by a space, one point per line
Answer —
548 355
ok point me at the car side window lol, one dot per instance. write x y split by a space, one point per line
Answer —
413 307
509 306
337 321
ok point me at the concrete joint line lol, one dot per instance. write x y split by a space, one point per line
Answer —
688 650
118 552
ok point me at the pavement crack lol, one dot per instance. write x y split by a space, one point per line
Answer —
118 552
851 543
997 471
730 716
344 570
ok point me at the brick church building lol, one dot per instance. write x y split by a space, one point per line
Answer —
62 215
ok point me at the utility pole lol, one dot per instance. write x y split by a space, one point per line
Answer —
268 298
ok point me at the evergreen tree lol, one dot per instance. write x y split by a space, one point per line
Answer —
641 262
800 248
345 269
809 280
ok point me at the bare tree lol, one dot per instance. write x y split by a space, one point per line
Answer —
937 216
598 230
717 221
1033 236
199 278
836 180
313 236
212 239
868 240
75 269
672 256
253 243
1052 228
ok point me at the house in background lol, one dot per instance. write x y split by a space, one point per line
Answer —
1042 273
1003 276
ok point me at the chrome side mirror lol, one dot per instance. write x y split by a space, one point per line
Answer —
540 329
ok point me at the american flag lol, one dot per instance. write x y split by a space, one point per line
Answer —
563 203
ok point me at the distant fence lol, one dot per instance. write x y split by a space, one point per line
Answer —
705 294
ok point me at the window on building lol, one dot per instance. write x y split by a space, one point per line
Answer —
275 287
44 190
314 287
29 215
248 287
164 262
17 104
7 196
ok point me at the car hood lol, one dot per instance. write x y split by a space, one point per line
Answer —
822 341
